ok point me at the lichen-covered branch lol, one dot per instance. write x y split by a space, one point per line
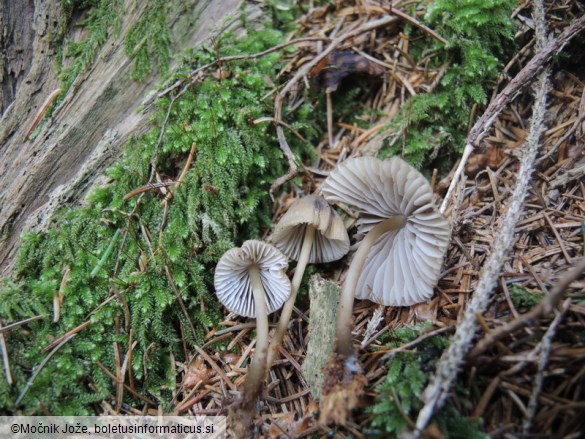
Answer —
451 360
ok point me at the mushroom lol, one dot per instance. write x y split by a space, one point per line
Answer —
251 281
399 259
309 232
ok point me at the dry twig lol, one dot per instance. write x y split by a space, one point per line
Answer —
545 307
545 348
451 360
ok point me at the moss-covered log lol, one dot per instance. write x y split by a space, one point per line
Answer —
56 164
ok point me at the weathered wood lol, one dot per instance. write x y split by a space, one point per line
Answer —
324 297
89 127
16 41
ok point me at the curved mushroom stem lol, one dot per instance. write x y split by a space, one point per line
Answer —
344 345
257 367
290 303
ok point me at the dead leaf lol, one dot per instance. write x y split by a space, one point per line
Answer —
331 70
195 372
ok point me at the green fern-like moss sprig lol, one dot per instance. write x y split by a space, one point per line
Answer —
130 262
399 401
480 40
102 18
150 39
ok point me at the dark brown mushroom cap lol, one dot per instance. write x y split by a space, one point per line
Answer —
331 241
232 279
403 265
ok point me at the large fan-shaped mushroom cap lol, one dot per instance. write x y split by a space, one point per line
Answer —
331 241
403 265
232 279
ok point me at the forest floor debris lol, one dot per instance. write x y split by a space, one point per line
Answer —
518 383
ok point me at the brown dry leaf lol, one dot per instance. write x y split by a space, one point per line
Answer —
220 74
491 158
300 426
280 424
330 71
196 372
423 312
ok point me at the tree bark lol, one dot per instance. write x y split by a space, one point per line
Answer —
97 116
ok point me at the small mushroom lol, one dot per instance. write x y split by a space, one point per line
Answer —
309 232
399 259
251 281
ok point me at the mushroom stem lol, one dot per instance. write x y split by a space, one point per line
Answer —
290 303
344 345
329 117
257 367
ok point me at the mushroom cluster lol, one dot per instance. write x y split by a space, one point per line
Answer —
402 238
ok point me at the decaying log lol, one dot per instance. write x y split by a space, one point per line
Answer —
97 116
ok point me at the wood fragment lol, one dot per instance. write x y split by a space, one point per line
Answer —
324 296
41 112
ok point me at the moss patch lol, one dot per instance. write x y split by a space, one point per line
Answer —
131 262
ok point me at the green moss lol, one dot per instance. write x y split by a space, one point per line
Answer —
120 251
150 39
102 18
147 41
523 298
408 374
480 40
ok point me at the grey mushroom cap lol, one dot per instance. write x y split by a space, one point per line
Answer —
403 266
331 241
232 280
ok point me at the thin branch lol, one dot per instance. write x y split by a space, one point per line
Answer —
451 360
148 187
128 388
5 358
418 24
508 94
292 165
20 323
224 59
178 183
416 341
180 300
119 378
548 304
284 124
216 368
67 336
545 348
40 367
